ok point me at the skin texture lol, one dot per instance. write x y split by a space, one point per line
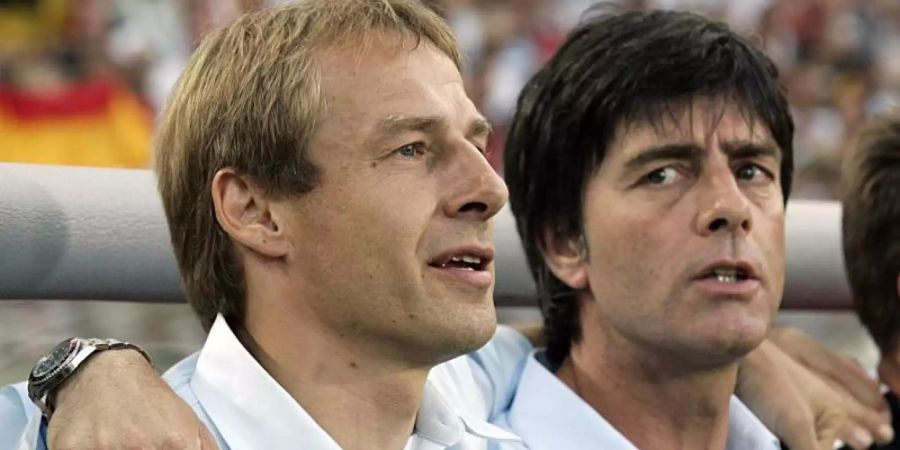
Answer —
666 219
664 232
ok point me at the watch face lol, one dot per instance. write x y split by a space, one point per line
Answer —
57 356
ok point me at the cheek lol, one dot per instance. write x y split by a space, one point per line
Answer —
775 254
628 259
772 241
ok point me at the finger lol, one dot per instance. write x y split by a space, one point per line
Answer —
828 425
873 421
797 429
853 379
856 436
800 438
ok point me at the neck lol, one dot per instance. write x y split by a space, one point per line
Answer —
362 402
653 402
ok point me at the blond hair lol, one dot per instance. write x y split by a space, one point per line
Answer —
250 99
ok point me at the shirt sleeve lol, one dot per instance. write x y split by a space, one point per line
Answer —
20 420
497 367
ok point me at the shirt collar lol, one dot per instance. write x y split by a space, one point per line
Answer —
246 405
543 407
746 431
440 423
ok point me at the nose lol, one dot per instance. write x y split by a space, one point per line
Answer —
723 207
477 190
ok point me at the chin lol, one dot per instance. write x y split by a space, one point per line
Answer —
734 344
463 332
724 341
742 328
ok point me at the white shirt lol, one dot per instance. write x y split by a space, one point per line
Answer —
246 408
550 416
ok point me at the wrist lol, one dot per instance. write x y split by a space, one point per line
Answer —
65 362
96 369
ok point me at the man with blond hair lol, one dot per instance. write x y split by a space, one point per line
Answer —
324 178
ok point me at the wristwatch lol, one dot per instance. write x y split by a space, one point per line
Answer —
57 366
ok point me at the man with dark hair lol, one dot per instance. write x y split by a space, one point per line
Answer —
648 166
871 235
614 74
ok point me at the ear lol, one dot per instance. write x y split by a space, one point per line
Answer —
566 257
245 213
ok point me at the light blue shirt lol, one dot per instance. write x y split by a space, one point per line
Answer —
550 416
20 420
244 407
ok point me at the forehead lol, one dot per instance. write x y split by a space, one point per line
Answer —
390 76
703 122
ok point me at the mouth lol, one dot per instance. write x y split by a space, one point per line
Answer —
728 279
468 265
464 259
729 272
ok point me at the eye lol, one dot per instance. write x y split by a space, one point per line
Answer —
411 150
662 176
751 172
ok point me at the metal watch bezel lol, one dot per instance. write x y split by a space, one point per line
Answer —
43 371
43 380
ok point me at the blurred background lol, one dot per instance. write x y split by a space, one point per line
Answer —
81 82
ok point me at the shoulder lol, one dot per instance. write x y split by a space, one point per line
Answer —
179 378
181 372
506 347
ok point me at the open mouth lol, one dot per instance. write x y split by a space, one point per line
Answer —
462 261
466 266
728 273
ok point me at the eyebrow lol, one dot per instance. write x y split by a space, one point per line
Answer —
747 149
681 151
480 127
692 152
399 123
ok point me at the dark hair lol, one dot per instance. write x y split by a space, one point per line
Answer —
871 228
614 69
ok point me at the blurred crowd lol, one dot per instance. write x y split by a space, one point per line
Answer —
81 80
